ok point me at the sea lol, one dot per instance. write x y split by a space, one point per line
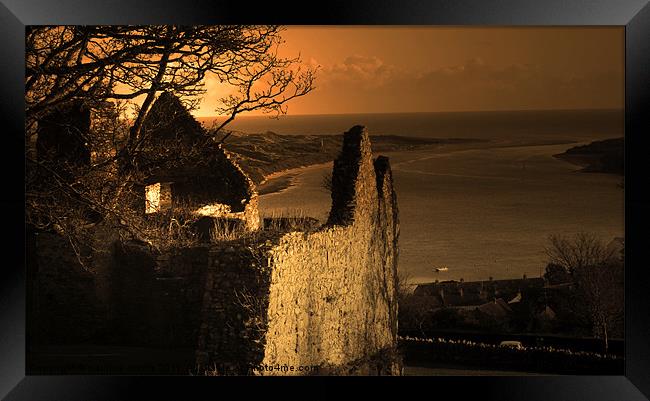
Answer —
483 209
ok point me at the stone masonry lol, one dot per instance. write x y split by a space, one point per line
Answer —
325 297
318 296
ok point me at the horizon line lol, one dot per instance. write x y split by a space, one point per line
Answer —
417 112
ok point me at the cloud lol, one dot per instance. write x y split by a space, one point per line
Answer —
362 83
473 85
477 76
366 71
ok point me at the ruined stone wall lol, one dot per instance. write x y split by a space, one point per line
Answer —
125 294
64 304
201 175
232 194
156 300
250 215
235 304
333 296
323 298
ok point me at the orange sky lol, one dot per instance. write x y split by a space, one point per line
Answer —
428 69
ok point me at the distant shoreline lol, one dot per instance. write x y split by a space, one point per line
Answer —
281 180
604 156
267 158
277 185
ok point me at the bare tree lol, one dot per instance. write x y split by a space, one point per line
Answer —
602 287
598 275
575 252
99 63
416 313
116 73
404 284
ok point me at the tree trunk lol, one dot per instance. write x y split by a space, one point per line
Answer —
135 132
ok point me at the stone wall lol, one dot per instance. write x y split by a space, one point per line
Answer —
235 304
156 300
125 295
64 304
230 194
292 294
323 298
333 295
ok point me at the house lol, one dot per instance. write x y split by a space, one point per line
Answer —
497 309
516 299
186 170
545 319
457 293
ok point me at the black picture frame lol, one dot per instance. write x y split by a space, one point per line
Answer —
633 14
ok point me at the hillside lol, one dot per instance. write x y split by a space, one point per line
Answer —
262 154
604 156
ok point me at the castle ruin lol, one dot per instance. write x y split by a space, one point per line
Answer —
319 296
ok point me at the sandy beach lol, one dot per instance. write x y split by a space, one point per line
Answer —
282 180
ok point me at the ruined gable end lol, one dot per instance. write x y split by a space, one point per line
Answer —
169 120
206 180
354 161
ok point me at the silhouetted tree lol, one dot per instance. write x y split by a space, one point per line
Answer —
115 73
416 312
556 274
575 252
99 63
602 287
598 275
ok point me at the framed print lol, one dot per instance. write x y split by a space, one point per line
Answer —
205 193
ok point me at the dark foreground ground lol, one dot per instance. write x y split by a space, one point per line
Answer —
459 371
137 361
109 360
418 359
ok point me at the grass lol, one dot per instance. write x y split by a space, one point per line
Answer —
290 220
227 230
278 222
177 228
